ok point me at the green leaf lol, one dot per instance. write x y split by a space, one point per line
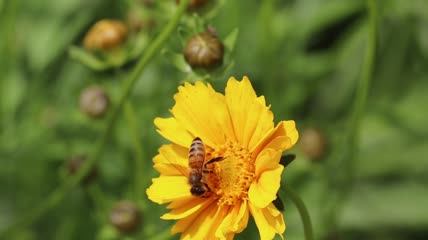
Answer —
87 59
52 37
13 92
386 206
183 35
393 137
177 60
230 40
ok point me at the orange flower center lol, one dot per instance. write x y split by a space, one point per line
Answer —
230 178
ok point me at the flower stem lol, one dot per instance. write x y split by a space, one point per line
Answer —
361 99
303 211
348 150
364 83
134 130
58 195
100 201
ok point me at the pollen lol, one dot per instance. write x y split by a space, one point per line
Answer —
230 178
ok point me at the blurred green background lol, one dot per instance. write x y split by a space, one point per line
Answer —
304 56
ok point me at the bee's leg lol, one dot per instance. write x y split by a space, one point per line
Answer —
207 193
211 161
217 159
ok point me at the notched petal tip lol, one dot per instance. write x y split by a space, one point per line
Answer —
250 116
231 79
202 112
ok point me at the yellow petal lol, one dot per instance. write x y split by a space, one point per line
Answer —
218 219
188 207
268 159
235 221
172 160
283 137
290 129
276 219
263 191
268 221
251 118
200 225
169 188
241 218
171 130
184 224
203 112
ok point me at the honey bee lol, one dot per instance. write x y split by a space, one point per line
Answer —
197 168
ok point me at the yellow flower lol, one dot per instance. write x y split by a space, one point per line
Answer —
239 127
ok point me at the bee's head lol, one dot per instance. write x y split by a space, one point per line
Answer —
198 190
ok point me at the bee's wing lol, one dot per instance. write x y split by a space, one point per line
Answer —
172 160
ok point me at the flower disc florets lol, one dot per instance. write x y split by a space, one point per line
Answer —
232 176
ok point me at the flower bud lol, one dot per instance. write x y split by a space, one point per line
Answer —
147 3
94 102
204 50
313 143
195 4
136 22
125 217
105 35
74 164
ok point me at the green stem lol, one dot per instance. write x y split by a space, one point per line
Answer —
134 130
366 75
56 197
360 101
8 60
266 41
303 211
347 151
100 200
361 98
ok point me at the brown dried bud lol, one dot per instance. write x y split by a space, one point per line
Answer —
105 35
313 143
94 102
147 3
125 216
195 4
74 164
204 50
